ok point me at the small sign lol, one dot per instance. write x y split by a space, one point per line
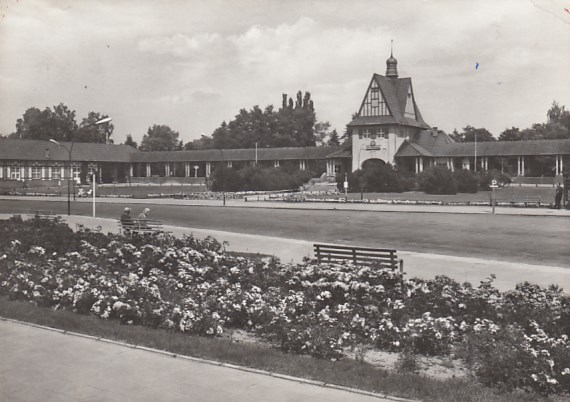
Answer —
372 148
346 184
494 183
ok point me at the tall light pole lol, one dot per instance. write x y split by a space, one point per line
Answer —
69 151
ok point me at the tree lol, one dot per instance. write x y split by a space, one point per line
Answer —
58 124
291 126
130 141
470 133
334 140
511 134
160 138
204 142
89 132
322 132
558 114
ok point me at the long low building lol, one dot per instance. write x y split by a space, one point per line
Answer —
388 128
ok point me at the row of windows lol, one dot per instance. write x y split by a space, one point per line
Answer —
370 133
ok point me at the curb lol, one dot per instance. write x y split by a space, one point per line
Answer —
213 362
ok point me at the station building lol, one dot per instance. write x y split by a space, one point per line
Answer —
388 128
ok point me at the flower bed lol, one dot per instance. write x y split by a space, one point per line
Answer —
513 339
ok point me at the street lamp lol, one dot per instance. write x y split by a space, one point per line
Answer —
69 151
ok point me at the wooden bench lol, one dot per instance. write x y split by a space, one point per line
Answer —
41 214
526 200
141 226
358 255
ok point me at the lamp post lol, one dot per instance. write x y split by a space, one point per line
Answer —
70 177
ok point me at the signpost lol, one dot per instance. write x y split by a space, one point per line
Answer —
493 187
345 187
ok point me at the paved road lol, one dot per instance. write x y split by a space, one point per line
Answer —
542 240
43 365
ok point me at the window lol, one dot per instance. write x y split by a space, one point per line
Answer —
337 169
15 173
410 110
56 172
366 133
36 172
381 133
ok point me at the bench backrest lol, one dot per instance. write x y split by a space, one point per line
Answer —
358 255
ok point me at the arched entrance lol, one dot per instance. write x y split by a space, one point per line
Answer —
372 163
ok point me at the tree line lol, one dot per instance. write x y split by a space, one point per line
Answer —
292 125
556 127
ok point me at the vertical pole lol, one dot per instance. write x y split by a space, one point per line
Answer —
345 187
94 187
475 152
256 154
493 199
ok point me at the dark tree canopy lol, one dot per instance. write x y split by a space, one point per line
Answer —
204 142
469 134
89 132
161 138
58 123
130 141
293 125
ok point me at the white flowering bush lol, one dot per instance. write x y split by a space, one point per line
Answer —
516 339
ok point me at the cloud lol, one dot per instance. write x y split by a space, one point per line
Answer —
181 45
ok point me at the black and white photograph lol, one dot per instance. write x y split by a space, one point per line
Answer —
264 200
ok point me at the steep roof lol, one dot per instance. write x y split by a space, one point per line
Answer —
395 93
37 150
217 155
412 149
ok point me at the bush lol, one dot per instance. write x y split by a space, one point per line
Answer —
258 178
485 179
437 180
377 178
466 181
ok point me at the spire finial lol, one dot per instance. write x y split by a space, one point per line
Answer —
392 63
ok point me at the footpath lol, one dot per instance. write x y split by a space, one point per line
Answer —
43 364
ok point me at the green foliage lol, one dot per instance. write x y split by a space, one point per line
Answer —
160 138
466 181
485 179
130 141
557 127
89 132
437 180
290 126
59 123
377 177
470 133
259 179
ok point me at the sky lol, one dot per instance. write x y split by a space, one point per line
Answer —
193 64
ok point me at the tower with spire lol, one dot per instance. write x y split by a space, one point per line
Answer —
387 117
